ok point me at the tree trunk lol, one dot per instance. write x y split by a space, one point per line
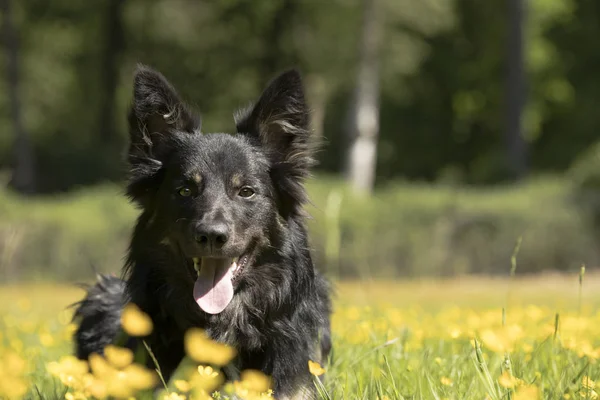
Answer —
23 173
364 117
317 98
111 53
277 54
515 92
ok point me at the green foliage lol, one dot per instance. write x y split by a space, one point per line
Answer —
423 230
405 230
442 79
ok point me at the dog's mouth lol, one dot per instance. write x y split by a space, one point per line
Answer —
213 290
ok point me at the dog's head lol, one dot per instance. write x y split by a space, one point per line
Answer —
218 198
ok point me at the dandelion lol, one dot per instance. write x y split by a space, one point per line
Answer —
588 383
12 375
588 386
507 380
446 381
46 339
68 366
135 322
173 396
527 393
181 385
206 379
123 380
315 368
119 357
204 350
255 380
253 385
139 377
200 394
455 333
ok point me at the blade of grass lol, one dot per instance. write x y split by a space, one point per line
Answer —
155 361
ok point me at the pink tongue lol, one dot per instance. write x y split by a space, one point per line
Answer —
213 289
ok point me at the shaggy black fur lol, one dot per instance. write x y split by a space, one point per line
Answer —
220 195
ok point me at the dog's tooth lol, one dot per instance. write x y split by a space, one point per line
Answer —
235 260
196 262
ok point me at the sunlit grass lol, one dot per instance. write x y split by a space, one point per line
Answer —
468 338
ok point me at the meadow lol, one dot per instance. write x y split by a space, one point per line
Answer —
534 337
489 326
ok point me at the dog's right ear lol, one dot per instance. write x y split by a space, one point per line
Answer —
156 112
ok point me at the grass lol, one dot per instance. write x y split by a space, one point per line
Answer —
532 337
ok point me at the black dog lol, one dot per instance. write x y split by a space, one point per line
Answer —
221 242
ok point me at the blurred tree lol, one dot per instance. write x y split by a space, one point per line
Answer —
364 113
515 91
323 36
442 102
112 50
23 172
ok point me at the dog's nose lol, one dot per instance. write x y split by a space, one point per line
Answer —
215 235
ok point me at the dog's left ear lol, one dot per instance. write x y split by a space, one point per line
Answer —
279 123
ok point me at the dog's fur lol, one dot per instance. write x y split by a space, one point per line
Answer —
279 316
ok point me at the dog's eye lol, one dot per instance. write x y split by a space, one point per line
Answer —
185 191
246 192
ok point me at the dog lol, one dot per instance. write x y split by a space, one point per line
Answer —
221 241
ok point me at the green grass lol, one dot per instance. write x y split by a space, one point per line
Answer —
394 339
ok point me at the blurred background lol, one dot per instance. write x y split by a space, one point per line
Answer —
455 131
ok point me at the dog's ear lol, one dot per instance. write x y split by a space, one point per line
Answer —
156 111
279 123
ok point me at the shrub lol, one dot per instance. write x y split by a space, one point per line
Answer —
404 230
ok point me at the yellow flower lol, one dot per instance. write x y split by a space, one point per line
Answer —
204 350
173 396
315 368
507 380
200 394
207 379
69 366
254 385
139 377
99 366
207 371
255 380
46 339
503 339
588 394
123 381
136 322
588 383
527 393
119 357
181 385
24 304
446 381
97 388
